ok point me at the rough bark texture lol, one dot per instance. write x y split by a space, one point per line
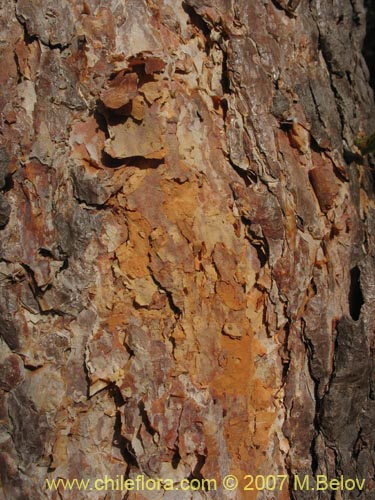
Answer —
187 260
369 41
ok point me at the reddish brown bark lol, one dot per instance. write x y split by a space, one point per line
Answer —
187 274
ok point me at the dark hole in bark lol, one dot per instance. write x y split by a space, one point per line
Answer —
224 106
65 265
132 161
8 184
286 366
108 161
369 42
176 459
355 294
46 253
225 78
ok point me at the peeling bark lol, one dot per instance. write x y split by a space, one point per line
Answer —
186 253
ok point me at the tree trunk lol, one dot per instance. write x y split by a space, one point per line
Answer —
187 248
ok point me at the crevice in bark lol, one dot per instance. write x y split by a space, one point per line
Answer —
199 22
307 342
285 353
356 300
123 444
19 72
259 243
176 459
196 474
225 76
177 311
172 340
110 162
129 350
100 119
31 368
145 419
37 291
48 254
27 37
288 469
97 206
115 393
44 252
248 176
351 157
133 161
52 312
87 377
224 106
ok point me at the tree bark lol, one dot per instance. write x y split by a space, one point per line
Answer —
187 246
